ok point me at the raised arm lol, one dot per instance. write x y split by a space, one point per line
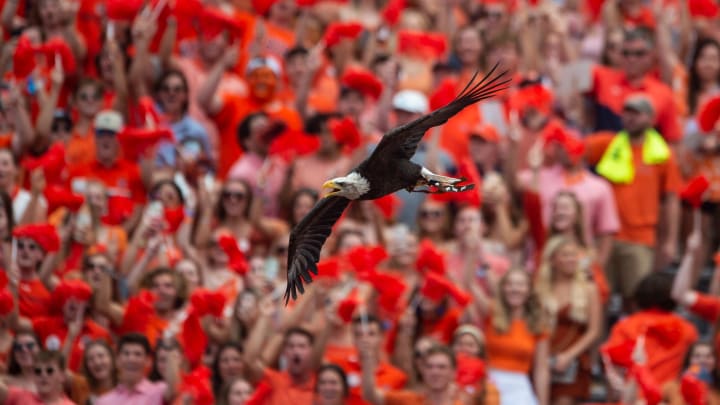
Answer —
48 103
207 96
682 290
254 365
370 391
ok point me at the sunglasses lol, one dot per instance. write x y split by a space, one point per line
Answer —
634 54
95 266
48 371
430 214
28 347
89 96
172 89
23 245
235 194
419 354
281 250
60 128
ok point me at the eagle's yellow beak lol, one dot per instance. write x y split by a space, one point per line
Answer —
331 185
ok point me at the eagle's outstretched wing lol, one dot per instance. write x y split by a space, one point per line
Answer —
306 240
403 141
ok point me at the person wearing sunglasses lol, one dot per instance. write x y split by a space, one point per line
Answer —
49 376
21 364
87 100
33 243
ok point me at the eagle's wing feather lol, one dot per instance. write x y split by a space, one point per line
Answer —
403 141
306 241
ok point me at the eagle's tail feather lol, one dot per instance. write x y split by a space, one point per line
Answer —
487 87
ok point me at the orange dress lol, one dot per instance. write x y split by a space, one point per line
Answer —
566 333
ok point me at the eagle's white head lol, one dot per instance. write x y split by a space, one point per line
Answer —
352 186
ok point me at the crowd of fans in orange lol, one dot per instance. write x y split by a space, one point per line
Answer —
155 155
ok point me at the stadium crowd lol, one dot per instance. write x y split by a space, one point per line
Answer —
155 155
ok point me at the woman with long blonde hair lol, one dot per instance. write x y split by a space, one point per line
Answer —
572 305
516 339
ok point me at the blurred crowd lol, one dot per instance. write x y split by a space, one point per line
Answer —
156 154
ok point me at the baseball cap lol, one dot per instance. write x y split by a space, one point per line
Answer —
411 101
486 132
639 103
264 61
108 121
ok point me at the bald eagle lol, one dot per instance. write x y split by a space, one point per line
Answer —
387 170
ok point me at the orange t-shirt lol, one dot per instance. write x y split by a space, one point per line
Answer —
639 202
664 358
410 398
513 350
122 178
285 392
387 377
80 149
53 330
34 299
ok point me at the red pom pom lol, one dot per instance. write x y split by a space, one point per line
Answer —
59 196
263 7
44 235
430 258
345 132
667 332
193 338
535 96
346 307
444 94
392 11
708 114
336 32
694 391
119 210
196 384
703 8
261 394
421 44
214 21
649 388
59 47
135 142
389 287
365 259
388 205
174 217
23 58
470 370
123 10
52 163
236 258
621 353
67 289
329 268
363 81
694 190
292 144
139 312
437 287
206 302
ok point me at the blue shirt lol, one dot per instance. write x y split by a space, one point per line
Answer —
185 130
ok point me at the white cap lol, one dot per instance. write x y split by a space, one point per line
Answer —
108 120
411 101
266 61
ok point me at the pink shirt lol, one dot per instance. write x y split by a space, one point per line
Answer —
600 214
144 393
17 396
252 168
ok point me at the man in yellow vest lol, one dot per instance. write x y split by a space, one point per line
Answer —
646 180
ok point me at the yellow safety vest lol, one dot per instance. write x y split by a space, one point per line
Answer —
616 164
